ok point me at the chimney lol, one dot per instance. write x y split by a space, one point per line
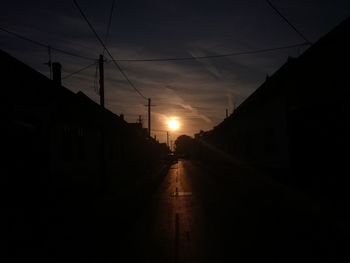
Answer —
56 71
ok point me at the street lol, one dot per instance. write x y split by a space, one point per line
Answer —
199 214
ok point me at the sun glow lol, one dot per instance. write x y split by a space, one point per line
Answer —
173 124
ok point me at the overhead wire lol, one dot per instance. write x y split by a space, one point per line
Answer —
45 45
158 59
307 42
288 22
213 56
80 70
96 89
109 25
156 130
108 52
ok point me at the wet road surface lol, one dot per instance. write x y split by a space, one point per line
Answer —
199 214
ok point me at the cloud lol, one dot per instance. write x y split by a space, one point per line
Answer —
198 91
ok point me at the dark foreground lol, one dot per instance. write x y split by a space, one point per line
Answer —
197 214
201 215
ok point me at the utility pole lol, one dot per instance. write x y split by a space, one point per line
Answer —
50 60
149 105
149 117
167 139
56 76
102 103
140 120
102 82
226 113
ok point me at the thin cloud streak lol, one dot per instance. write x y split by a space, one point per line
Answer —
197 91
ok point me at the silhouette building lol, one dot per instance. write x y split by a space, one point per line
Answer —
296 124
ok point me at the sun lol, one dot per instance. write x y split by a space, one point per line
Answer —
173 124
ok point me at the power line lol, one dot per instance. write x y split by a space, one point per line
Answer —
156 130
109 23
109 53
80 70
287 21
214 56
158 59
44 45
96 89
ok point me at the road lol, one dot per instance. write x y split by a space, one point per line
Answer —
201 214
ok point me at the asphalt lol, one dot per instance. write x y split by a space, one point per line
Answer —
202 213
194 212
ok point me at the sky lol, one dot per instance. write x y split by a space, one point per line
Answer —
197 91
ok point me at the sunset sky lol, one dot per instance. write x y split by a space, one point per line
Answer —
197 92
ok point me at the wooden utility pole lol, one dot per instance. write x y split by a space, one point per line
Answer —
50 60
102 103
140 120
149 117
167 139
102 82
56 73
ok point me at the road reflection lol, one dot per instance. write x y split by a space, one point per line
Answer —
169 232
197 215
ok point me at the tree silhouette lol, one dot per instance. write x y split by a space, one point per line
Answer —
184 146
